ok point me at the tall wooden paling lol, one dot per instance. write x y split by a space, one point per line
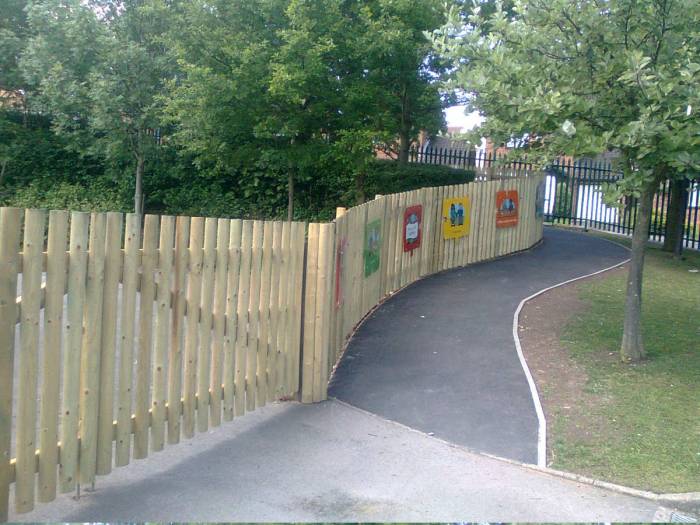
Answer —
9 259
113 270
132 243
177 327
56 268
91 350
161 345
77 269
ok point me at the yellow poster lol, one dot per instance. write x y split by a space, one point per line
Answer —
455 217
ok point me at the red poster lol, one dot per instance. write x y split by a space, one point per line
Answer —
412 229
506 208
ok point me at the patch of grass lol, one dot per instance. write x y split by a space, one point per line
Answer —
644 428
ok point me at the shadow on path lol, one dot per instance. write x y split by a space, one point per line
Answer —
440 356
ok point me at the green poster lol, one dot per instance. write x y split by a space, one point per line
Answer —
373 246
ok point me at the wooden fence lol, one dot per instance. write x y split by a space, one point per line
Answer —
118 336
345 291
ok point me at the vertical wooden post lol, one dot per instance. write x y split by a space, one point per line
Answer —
319 328
51 364
160 351
145 342
77 268
235 279
177 327
241 332
274 308
28 359
283 324
297 298
223 234
264 314
10 228
205 325
105 412
194 294
308 349
132 243
92 342
254 316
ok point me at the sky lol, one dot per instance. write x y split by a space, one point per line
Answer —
455 117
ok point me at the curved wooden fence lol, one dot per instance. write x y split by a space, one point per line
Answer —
119 336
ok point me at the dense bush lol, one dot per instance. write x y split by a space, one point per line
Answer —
389 176
41 171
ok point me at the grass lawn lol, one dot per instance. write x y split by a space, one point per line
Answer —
646 420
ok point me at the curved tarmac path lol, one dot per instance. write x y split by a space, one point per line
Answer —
440 355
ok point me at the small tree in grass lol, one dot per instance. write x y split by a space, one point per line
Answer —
584 77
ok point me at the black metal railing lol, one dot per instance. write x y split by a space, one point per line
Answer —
574 192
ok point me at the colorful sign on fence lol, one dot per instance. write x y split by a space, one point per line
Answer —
455 217
412 219
373 246
539 200
506 208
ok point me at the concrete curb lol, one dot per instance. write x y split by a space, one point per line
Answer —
542 422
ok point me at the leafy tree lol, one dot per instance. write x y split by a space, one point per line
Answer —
585 77
13 35
98 70
400 68
302 81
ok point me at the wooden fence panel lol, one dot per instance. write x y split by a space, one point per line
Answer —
205 325
283 311
56 275
297 297
241 339
254 316
194 294
235 271
90 358
177 328
322 311
307 385
132 242
10 228
164 274
217 379
77 271
149 260
274 309
263 306
233 296
112 274
30 306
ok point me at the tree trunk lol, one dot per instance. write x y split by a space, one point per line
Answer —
360 188
675 217
404 146
2 170
290 196
138 191
632 349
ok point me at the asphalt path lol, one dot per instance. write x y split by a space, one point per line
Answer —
439 356
330 462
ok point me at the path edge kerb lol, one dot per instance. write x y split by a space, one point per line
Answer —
542 422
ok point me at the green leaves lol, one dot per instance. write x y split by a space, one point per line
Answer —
585 80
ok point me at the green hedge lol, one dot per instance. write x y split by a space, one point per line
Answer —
389 176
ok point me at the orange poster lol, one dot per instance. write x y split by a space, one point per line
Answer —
507 208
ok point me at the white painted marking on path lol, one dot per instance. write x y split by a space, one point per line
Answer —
542 423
